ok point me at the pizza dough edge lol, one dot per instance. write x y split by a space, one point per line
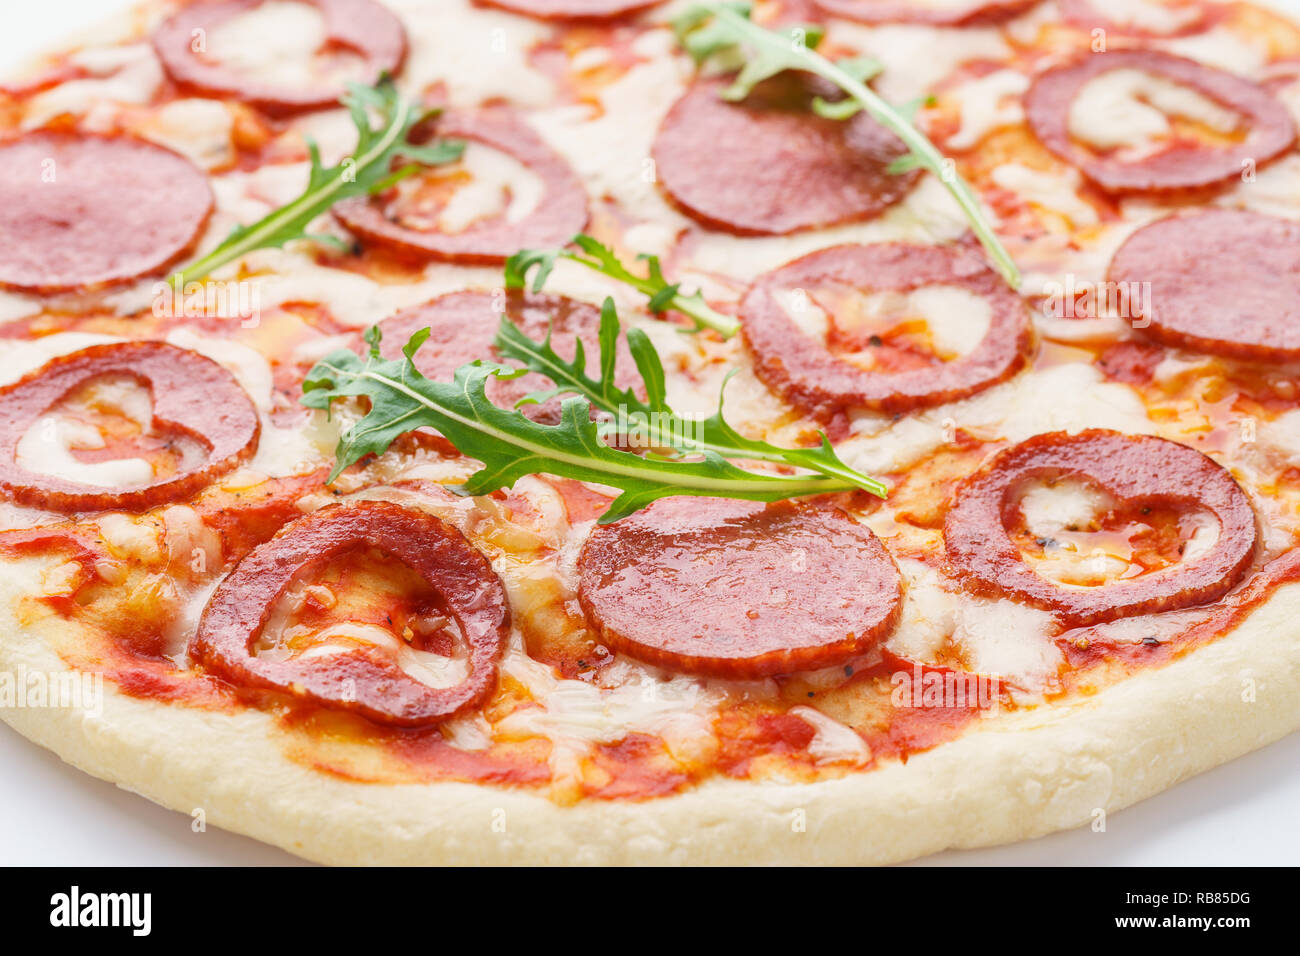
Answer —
1019 776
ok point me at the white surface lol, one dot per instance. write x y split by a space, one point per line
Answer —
50 813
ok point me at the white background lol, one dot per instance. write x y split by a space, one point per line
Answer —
1242 813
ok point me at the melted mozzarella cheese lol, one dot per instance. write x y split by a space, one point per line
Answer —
118 74
200 130
47 449
1054 191
1131 108
276 43
917 58
475 54
986 104
1010 641
833 742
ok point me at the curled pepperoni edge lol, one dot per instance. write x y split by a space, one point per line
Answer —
379 690
1132 468
365 26
572 9
640 530
170 200
561 214
975 13
191 394
708 167
1239 241
806 374
1051 93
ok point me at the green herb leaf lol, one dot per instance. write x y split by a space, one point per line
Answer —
723 32
510 446
651 423
384 121
661 295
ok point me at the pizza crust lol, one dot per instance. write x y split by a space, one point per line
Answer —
1011 777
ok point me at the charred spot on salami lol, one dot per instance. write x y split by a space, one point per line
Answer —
769 165
363 28
79 211
1136 469
1222 281
363 680
193 397
1181 162
788 587
415 225
810 371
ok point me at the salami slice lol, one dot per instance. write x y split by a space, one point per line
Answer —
193 397
361 27
79 211
1140 471
805 371
962 13
788 587
572 9
364 680
560 214
1216 280
463 325
769 165
1180 165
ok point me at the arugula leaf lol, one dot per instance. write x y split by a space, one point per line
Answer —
724 32
652 423
661 294
510 446
367 171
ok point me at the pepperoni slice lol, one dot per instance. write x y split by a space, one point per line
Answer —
940 13
361 27
463 325
1219 280
1180 19
79 211
193 397
572 9
787 587
769 165
560 214
1180 165
364 680
1140 471
806 373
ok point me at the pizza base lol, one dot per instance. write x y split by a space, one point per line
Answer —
1011 777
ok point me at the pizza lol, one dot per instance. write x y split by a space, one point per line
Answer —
617 431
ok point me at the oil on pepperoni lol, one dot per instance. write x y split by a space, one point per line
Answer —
738 589
463 325
807 374
79 211
1222 281
363 27
559 215
365 680
768 165
1139 471
1180 165
193 397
